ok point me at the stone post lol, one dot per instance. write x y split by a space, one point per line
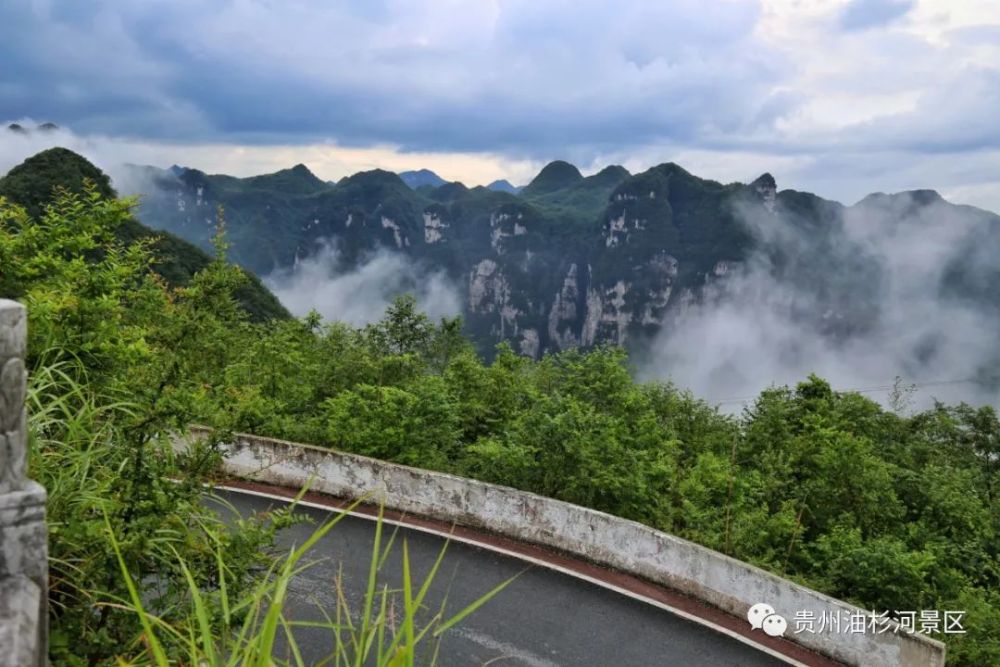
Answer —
23 535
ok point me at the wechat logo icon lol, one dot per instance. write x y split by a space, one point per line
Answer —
762 617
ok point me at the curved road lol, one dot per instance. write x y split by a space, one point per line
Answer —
543 619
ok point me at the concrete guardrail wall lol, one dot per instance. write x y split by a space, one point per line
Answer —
706 575
23 535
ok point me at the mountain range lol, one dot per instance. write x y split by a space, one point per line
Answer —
425 178
576 261
573 260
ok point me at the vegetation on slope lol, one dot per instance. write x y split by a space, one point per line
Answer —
110 345
890 511
32 183
556 175
578 202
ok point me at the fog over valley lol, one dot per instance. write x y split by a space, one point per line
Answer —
901 289
360 295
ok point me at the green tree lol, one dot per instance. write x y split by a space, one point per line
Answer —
416 426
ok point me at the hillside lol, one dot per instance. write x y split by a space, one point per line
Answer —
32 183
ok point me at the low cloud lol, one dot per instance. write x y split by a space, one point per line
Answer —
15 147
879 292
360 296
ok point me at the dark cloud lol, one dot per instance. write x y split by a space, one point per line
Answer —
516 77
79 64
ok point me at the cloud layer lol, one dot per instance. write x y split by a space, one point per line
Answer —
442 76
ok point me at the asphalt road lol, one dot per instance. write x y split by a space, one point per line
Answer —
543 619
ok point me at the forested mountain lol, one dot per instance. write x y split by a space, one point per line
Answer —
420 178
609 258
31 185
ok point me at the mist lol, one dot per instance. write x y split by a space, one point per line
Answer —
360 296
859 301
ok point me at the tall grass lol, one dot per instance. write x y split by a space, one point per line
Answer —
70 433
255 625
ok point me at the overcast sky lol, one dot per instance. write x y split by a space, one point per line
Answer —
840 97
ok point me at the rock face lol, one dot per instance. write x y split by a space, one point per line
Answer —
488 290
504 226
23 535
398 236
607 315
433 228
565 312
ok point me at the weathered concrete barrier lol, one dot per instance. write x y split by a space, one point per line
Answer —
706 575
23 536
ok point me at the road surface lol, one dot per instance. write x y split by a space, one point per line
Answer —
545 618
